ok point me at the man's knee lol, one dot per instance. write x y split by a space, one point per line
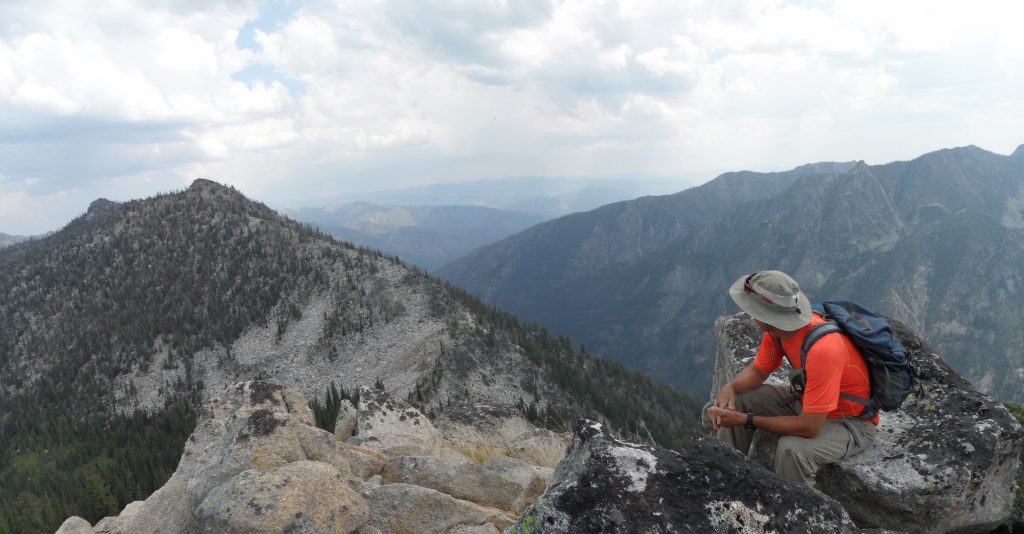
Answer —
790 447
742 399
749 401
791 460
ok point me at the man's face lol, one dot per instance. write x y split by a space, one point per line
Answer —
765 327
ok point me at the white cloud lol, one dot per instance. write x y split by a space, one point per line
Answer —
335 94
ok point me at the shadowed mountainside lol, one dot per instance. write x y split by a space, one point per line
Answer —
935 242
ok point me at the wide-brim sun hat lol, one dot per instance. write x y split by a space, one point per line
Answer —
772 297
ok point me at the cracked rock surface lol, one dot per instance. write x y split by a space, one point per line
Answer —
606 485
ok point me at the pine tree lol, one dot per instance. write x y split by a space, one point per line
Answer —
28 514
95 501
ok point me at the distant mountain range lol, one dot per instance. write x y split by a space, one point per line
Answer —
117 327
937 242
550 197
7 240
427 236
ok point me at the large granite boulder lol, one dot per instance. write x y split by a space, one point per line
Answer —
410 509
384 422
606 485
945 462
481 431
75 525
466 481
301 496
256 463
248 442
345 424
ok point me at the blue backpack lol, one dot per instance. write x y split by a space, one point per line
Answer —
893 377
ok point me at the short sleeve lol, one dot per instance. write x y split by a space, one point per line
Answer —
769 357
825 364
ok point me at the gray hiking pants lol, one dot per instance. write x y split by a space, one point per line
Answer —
797 458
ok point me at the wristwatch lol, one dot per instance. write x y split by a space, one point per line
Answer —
750 422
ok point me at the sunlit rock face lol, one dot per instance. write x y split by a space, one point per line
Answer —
256 463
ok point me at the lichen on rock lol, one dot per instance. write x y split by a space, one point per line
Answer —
607 485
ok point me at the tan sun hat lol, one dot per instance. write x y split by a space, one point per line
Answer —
772 297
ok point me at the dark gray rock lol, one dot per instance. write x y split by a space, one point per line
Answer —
605 485
946 462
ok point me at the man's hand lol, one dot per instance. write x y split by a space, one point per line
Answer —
726 397
726 418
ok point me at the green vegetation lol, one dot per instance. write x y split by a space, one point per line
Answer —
326 413
631 404
131 286
54 466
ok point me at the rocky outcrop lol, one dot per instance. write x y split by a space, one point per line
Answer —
606 485
256 463
945 462
409 509
481 431
384 422
75 525
345 424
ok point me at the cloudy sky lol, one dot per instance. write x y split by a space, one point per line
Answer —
296 101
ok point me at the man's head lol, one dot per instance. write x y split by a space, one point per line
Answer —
772 298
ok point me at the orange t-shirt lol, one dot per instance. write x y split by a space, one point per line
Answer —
833 364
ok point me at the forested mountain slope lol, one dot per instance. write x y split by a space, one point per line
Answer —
115 327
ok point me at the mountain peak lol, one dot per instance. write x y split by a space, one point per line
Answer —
99 207
209 189
826 167
1019 153
202 184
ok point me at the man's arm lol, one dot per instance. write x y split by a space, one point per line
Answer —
805 425
749 378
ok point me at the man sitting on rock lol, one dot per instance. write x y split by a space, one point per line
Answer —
821 429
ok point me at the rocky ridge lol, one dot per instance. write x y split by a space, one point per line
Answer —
946 462
256 464
137 312
246 293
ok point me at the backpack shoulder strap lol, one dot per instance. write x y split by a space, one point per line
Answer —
816 333
813 336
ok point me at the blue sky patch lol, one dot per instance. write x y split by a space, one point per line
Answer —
271 17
